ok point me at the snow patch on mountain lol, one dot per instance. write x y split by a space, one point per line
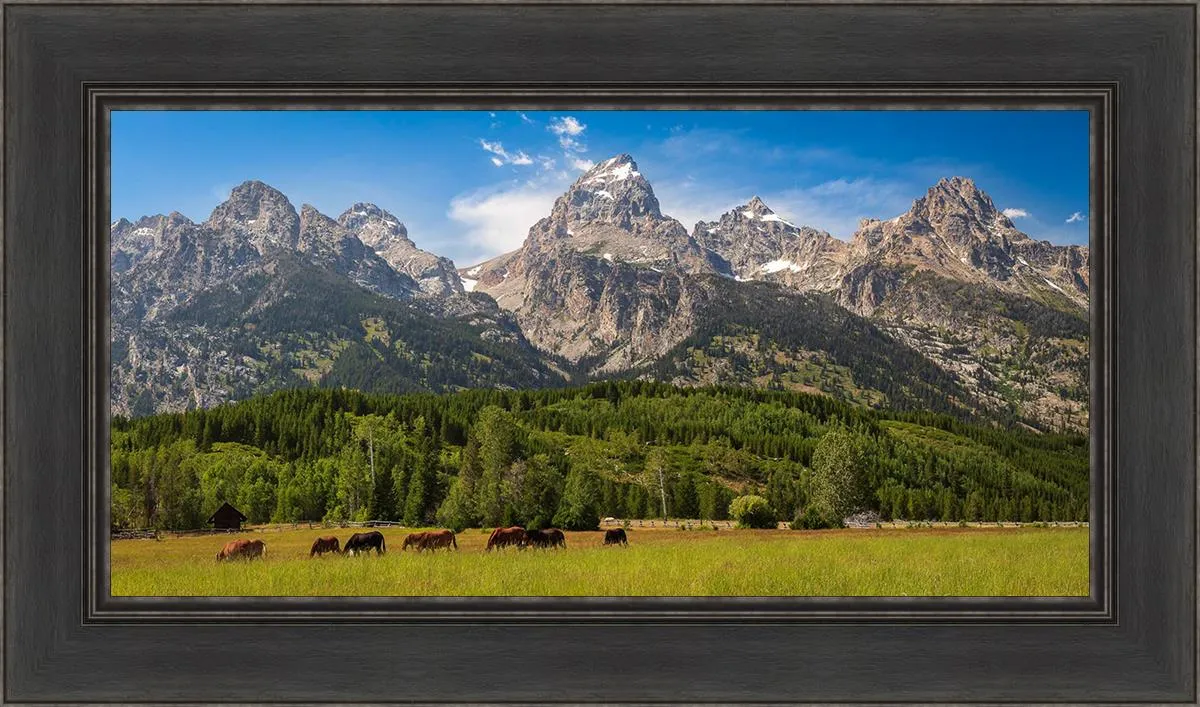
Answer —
779 265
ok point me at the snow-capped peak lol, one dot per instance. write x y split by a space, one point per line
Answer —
614 169
756 209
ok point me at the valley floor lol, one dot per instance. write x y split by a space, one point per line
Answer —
942 561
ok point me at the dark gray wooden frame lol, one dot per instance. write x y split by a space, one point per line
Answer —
1133 66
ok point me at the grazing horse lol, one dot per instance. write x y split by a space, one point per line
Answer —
616 536
365 542
246 549
435 539
415 540
323 545
550 537
503 537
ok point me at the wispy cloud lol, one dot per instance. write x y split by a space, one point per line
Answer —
502 157
526 119
496 220
1015 213
569 130
1076 217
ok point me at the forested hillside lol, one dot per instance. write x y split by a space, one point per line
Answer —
569 457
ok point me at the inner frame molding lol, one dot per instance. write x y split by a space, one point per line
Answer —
1098 98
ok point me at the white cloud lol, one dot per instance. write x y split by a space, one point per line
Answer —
568 129
1016 213
527 120
497 220
546 162
493 147
580 163
1076 217
502 156
566 125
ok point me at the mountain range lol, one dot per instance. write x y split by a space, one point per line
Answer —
947 307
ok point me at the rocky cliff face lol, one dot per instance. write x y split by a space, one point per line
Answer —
602 279
758 244
261 296
955 231
946 307
388 237
609 282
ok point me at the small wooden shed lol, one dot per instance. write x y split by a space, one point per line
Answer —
227 518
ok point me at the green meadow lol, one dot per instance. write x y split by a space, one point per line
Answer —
940 561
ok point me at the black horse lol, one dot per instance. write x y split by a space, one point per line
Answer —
550 537
365 542
616 536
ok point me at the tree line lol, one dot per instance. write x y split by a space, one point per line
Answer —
569 457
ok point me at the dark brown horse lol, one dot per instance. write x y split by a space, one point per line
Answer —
365 542
615 536
323 545
503 537
550 537
242 549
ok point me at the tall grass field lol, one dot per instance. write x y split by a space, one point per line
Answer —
1027 561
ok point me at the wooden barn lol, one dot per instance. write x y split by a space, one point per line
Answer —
227 518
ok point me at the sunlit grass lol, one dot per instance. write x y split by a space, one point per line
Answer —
658 562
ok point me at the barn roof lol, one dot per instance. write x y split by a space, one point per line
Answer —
225 510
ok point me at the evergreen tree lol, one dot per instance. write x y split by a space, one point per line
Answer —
422 484
578 508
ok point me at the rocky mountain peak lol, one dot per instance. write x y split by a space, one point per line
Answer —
374 226
756 206
758 244
957 198
613 191
176 219
388 237
260 209
313 220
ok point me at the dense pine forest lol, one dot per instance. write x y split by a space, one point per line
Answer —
569 457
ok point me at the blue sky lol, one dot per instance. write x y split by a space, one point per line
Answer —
469 184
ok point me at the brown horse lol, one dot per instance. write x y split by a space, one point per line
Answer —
245 549
503 537
323 545
435 539
414 540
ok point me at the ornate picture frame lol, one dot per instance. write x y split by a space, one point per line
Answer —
1132 66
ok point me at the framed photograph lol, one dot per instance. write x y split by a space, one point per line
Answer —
615 352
